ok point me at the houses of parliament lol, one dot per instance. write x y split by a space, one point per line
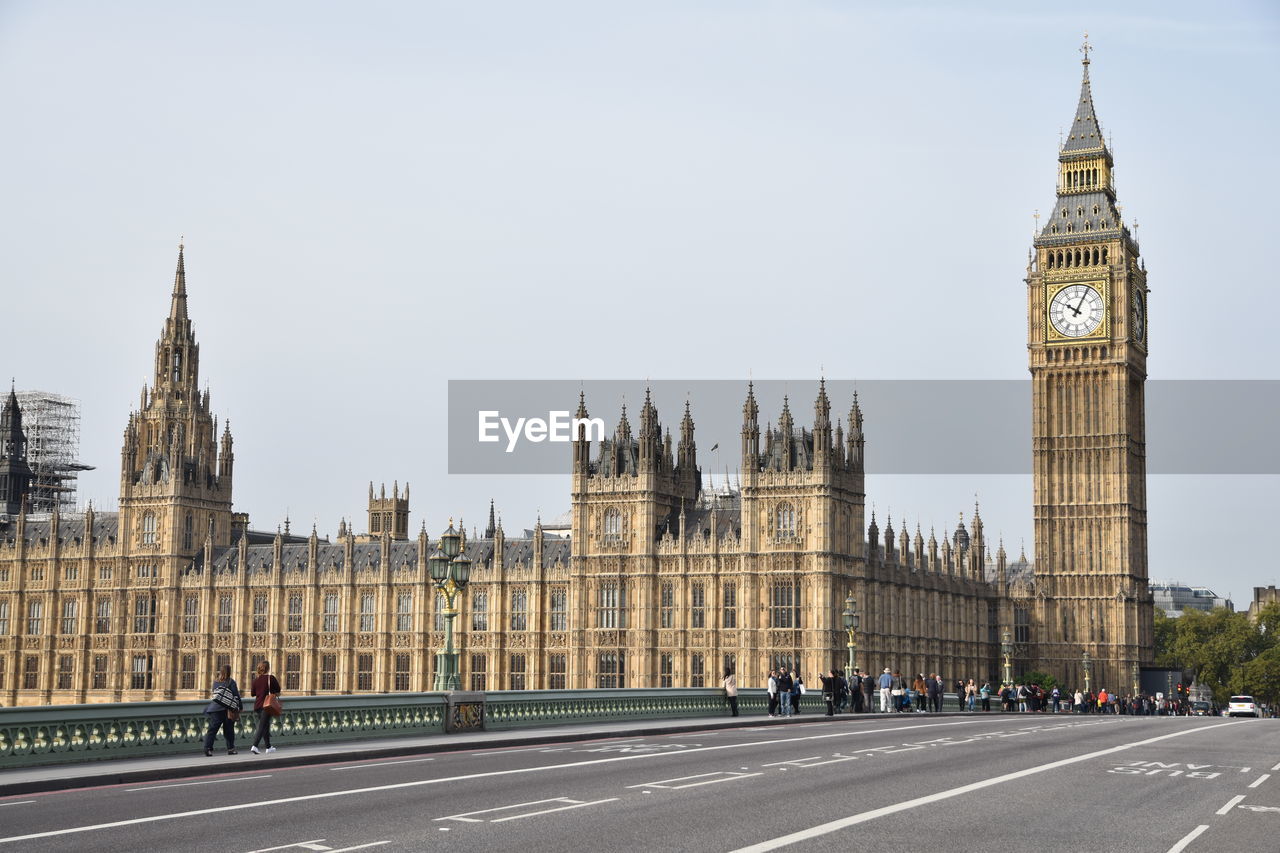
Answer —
657 583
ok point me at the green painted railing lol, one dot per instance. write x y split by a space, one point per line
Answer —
60 734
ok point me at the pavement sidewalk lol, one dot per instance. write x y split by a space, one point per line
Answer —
88 774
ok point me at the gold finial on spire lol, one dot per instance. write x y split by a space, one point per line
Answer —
1085 48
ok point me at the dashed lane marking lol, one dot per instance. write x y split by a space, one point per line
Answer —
1230 804
1188 838
722 776
1256 782
17 803
565 804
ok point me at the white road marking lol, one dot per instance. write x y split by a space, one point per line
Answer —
1277 767
314 844
467 817
790 761
1188 838
381 764
207 782
1250 808
1230 803
374 789
853 820
549 811
17 803
725 776
1256 782
360 846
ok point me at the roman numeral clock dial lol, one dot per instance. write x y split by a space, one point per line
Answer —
1076 311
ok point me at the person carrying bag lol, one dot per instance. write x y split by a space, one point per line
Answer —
223 711
266 702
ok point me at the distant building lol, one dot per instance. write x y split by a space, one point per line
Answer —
1173 598
1262 596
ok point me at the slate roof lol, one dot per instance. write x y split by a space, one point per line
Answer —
1086 135
71 529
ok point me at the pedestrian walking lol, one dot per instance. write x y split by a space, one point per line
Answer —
985 693
262 688
898 690
731 691
829 691
922 692
223 710
971 695
773 693
868 693
886 690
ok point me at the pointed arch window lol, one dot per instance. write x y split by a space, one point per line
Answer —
785 520
613 525
188 532
519 610
149 528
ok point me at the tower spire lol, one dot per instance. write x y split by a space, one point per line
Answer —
178 304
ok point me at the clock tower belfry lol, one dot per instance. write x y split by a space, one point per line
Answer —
1087 346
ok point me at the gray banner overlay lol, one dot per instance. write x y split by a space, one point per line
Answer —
910 426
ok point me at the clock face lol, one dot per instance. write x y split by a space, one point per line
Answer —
1139 316
1076 310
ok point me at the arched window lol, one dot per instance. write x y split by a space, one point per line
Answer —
613 526
785 520
188 532
480 611
149 528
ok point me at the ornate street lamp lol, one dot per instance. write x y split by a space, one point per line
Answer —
1087 664
450 572
1006 649
851 618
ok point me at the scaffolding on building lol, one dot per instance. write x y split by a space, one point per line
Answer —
52 425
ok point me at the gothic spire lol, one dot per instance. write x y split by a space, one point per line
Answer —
1085 133
178 304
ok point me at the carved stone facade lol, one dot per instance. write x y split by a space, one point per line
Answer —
656 582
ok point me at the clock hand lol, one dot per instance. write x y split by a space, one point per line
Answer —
1083 294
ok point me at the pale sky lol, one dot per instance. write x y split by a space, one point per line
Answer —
379 197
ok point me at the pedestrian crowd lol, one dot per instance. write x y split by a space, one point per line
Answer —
892 692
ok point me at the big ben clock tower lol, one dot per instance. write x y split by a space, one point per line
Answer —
1087 343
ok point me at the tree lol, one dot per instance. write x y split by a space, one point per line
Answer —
1225 650
1044 679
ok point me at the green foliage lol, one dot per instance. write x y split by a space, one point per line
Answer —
1044 679
1228 653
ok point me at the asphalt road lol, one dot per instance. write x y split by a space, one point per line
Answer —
877 783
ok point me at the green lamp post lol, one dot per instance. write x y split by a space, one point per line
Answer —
850 615
1006 649
450 572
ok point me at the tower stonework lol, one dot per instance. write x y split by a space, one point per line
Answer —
1087 346
175 472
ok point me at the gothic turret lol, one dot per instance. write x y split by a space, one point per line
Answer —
15 472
